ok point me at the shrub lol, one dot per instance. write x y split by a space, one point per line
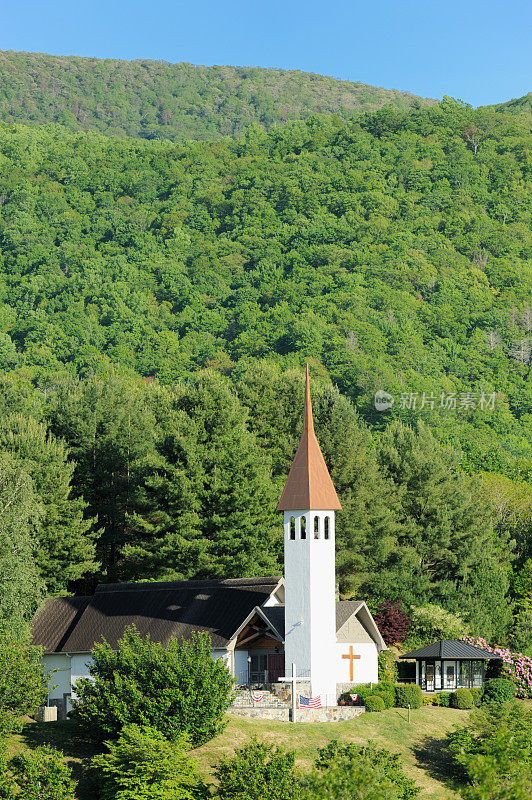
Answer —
23 685
385 690
374 703
258 772
444 699
462 698
497 690
363 690
344 772
476 695
178 689
387 667
493 752
408 694
39 774
515 666
144 765
392 621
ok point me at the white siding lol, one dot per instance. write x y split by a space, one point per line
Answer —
241 665
365 669
310 608
80 669
59 681
223 654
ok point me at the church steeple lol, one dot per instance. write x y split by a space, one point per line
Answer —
309 485
309 502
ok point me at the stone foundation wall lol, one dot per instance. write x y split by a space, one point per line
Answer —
346 687
280 714
331 714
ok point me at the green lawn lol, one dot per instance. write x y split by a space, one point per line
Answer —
419 744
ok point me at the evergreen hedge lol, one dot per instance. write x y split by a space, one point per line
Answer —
462 698
498 690
408 694
374 703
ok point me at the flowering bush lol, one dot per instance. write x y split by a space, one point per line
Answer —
516 666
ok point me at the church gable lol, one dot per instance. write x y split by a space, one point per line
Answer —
354 623
354 631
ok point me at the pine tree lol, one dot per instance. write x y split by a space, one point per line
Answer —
109 428
20 584
209 504
65 549
446 550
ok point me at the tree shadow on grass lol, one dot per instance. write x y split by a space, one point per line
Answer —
434 757
75 744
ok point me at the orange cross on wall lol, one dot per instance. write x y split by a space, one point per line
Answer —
351 656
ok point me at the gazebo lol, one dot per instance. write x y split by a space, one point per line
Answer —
450 664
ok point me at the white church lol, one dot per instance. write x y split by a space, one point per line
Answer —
258 626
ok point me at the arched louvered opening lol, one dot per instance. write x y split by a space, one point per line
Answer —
292 527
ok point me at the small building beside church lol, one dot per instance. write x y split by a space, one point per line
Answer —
450 664
258 626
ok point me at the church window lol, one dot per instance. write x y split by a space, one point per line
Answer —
327 523
316 527
292 527
303 527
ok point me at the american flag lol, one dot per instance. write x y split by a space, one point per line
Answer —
310 702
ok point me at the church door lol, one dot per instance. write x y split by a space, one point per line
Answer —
275 667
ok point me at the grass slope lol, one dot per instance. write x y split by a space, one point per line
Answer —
155 99
419 744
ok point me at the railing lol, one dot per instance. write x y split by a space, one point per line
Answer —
268 679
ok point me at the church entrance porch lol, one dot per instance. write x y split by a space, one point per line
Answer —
265 667
259 649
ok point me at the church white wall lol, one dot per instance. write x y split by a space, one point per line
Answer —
81 663
241 664
310 605
59 682
224 654
365 669
272 600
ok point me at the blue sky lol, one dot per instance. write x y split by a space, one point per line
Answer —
478 51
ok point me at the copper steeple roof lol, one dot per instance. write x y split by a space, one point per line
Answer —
309 485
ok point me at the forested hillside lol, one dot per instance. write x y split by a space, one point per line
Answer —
519 105
158 100
159 300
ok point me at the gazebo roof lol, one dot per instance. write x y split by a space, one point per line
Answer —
451 648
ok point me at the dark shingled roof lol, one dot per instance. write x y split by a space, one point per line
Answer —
450 648
56 620
344 610
164 610
275 616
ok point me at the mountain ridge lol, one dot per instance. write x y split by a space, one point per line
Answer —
150 99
